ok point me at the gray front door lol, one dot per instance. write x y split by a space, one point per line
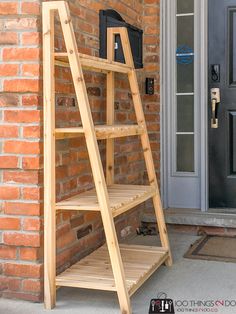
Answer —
222 75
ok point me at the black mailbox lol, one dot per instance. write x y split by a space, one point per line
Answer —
111 18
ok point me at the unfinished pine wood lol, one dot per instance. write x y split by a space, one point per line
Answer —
95 270
49 159
110 110
101 131
92 63
122 198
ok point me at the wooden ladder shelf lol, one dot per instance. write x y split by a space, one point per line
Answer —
116 267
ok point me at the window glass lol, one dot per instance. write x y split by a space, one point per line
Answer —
185 152
185 114
185 6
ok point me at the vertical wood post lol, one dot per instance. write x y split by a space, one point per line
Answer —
110 109
49 158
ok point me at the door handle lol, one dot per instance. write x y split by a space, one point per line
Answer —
215 101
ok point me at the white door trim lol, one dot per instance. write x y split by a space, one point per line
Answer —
166 91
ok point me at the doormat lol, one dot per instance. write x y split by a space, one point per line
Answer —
213 248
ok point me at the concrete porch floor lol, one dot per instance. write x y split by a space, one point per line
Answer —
185 280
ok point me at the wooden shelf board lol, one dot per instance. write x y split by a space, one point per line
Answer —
102 131
93 63
95 272
122 198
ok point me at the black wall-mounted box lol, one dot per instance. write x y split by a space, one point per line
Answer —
111 18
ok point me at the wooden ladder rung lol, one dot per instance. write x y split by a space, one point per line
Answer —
92 63
102 131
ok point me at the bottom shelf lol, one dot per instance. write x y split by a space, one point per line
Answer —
95 272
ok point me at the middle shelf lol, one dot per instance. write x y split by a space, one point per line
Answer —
102 131
121 197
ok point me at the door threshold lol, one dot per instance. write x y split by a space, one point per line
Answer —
224 218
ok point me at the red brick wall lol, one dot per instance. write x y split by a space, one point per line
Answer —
21 150
21 145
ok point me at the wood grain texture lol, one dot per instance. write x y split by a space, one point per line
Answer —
49 158
95 270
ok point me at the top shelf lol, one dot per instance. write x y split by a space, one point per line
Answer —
93 63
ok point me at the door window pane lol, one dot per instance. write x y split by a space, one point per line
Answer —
185 152
185 33
185 6
184 78
185 114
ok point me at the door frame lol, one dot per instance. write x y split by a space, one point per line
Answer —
167 38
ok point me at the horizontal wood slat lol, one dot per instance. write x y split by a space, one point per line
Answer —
92 63
102 131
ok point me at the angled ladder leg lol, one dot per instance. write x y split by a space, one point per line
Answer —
95 160
145 140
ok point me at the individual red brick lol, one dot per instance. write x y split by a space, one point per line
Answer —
3 283
21 54
32 285
31 69
14 284
31 224
8 283
21 85
8 38
26 209
30 8
7 131
63 257
21 23
8 69
91 216
32 162
32 131
7 223
29 254
22 147
8 162
8 8
23 270
30 193
7 252
31 177
22 116
62 229
66 239
9 100
32 38
30 100
21 239
9 192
